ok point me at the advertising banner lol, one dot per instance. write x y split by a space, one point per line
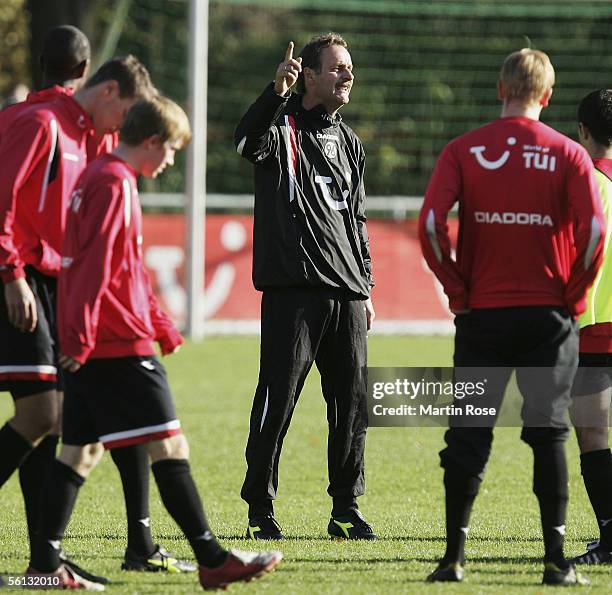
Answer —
407 297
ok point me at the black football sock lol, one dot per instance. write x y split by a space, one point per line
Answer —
57 507
133 465
596 467
181 499
461 491
33 475
550 486
14 448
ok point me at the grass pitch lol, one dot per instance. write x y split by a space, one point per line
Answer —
213 385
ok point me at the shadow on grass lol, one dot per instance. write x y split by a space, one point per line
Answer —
330 539
383 538
510 561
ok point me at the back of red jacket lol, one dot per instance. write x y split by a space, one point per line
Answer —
43 150
531 225
9 113
106 307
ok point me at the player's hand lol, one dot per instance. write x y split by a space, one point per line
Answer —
69 364
21 305
175 350
287 72
370 314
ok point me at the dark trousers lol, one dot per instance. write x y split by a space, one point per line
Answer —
300 326
541 344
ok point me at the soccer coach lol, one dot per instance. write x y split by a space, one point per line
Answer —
311 259
530 242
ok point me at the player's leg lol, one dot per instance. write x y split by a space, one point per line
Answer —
142 553
132 463
138 408
80 453
544 377
342 363
590 412
170 465
291 323
478 337
218 566
34 417
28 371
34 472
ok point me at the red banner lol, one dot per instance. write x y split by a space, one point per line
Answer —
406 297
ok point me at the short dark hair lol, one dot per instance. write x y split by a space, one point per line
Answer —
133 78
311 54
64 49
155 116
595 112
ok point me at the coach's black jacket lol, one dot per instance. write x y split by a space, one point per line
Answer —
309 197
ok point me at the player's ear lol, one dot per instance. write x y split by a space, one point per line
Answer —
583 132
154 141
501 94
110 88
308 76
545 99
80 70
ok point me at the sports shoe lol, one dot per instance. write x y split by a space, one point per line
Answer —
446 573
591 545
239 566
553 575
160 560
594 556
67 579
94 578
264 527
351 525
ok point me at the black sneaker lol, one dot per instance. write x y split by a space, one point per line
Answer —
596 555
591 545
264 527
93 578
563 577
446 573
351 525
160 560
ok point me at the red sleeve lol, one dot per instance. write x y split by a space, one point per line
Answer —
88 247
25 144
166 334
442 193
589 228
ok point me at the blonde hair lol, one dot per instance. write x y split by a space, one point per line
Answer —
526 75
157 115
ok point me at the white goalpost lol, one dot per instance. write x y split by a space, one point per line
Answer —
196 166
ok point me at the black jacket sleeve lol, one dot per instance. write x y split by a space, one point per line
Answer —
256 138
360 218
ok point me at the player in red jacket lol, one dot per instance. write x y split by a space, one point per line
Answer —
43 147
530 242
116 389
64 64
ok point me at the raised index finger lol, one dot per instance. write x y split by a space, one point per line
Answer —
289 52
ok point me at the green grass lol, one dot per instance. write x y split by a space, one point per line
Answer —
213 385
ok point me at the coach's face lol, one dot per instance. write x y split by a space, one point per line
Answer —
332 85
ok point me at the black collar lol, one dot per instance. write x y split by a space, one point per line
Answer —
317 115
